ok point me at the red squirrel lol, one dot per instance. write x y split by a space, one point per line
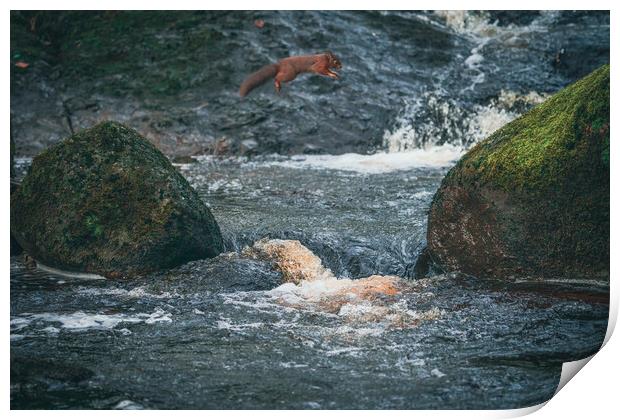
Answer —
288 68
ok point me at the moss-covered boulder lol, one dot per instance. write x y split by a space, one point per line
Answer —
106 201
533 198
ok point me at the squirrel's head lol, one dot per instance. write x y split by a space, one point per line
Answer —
333 60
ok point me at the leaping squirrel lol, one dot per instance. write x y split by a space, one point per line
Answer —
288 68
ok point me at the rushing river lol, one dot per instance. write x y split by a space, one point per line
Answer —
234 332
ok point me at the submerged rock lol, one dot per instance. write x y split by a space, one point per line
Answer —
296 262
225 273
43 371
106 201
533 198
307 283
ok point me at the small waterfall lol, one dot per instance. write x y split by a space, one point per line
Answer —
431 121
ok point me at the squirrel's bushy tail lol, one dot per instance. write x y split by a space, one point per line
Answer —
258 78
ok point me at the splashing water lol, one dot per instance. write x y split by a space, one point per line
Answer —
430 121
310 286
82 321
379 162
435 117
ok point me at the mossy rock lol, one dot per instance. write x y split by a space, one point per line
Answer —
106 201
533 198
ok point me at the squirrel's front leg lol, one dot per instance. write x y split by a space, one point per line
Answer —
332 74
277 85
325 71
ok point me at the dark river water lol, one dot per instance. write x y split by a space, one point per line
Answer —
230 333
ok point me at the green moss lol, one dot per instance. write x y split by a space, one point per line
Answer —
143 53
26 44
106 200
92 224
533 152
540 188
605 152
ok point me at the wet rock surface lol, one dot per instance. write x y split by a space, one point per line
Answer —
106 201
532 199
174 76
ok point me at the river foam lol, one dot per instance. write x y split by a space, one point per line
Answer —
439 125
380 162
432 117
134 293
83 321
374 303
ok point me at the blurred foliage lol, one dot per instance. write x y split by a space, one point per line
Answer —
136 52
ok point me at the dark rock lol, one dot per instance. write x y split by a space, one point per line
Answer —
15 247
12 155
576 61
248 147
106 201
312 149
424 265
533 198
224 273
513 17
183 159
47 370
